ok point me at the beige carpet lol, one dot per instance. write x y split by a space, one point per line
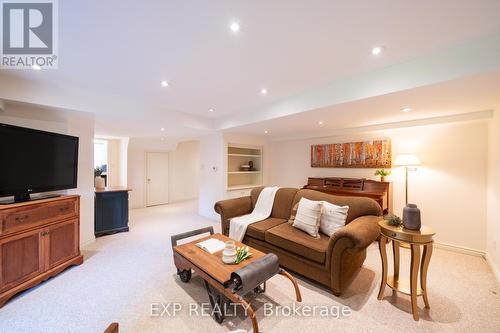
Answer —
125 273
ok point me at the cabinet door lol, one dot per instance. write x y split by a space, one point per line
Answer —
111 211
61 242
21 259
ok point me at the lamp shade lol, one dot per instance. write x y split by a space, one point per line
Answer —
406 160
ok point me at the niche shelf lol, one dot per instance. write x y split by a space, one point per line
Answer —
240 178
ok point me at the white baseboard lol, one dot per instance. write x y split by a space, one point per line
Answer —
183 200
493 267
459 249
90 241
472 252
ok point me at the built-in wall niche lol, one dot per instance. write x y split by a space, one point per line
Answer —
244 166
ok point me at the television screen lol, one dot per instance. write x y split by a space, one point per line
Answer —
36 161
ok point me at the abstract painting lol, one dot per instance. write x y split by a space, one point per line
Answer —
367 154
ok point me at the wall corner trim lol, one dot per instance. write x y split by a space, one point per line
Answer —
473 252
459 249
87 242
493 267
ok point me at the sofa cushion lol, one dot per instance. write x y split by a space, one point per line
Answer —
296 241
282 201
358 206
258 229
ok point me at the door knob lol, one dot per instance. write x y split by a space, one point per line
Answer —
149 179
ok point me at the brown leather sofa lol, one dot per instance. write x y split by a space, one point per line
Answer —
331 261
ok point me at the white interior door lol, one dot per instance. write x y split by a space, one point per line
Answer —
156 178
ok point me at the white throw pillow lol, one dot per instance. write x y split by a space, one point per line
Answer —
333 217
308 216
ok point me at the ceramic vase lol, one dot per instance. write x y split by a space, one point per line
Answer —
229 253
99 182
411 217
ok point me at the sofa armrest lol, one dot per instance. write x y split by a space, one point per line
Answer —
227 209
347 250
362 231
355 236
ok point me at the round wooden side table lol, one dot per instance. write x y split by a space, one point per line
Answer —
406 238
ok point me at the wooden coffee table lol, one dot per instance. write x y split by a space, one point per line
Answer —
216 274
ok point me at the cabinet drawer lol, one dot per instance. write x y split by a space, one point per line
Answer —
33 215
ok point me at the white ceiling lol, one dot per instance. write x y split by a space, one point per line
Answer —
456 97
123 49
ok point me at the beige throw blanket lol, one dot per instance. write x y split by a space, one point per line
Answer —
263 207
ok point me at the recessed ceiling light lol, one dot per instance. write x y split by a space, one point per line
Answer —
263 91
211 110
266 132
234 26
164 83
162 129
320 122
377 50
36 67
406 109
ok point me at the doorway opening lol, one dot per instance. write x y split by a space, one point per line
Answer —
101 159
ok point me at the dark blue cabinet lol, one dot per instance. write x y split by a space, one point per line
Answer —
111 211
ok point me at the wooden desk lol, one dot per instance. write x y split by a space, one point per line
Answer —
381 192
415 239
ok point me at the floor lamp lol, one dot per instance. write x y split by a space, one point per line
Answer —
410 162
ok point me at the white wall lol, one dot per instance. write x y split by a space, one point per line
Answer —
135 176
493 225
113 172
117 161
123 161
74 123
454 171
211 174
184 170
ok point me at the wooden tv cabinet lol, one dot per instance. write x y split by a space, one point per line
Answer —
38 239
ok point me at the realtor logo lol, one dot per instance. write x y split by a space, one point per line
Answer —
29 34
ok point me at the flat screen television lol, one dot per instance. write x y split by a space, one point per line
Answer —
33 161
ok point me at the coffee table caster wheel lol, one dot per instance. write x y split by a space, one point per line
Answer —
219 311
184 274
260 289
217 302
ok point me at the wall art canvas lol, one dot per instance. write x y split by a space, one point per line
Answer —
366 154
